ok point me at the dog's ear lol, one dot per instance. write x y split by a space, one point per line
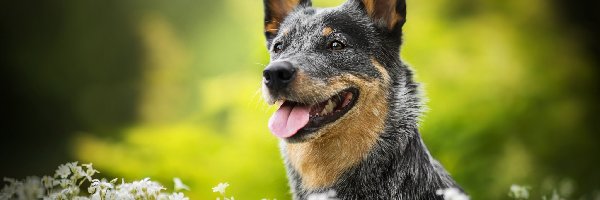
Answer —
390 14
276 11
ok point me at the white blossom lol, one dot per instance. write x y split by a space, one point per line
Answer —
90 171
554 196
63 171
178 196
220 188
48 182
32 188
179 184
142 188
518 192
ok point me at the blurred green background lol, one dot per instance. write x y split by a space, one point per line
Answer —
163 89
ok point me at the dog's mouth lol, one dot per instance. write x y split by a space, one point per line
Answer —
294 120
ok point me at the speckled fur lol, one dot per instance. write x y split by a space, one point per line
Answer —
397 165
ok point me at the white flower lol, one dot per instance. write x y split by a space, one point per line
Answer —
452 194
96 196
10 188
178 196
179 185
63 171
90 171
554 196
519 192
56 196
77 172
99 187
32 188
63 182
142 188
221 188
48 182
120 195
69 192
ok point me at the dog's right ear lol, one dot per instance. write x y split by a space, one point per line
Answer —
276 11
388 14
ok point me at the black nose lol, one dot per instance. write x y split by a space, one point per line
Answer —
279 74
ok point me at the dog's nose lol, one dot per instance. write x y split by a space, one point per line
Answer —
279 74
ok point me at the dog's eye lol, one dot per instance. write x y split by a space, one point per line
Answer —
336 45
278 47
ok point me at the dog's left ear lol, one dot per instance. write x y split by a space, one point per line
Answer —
390 14
275 13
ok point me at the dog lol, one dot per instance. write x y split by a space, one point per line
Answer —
348 106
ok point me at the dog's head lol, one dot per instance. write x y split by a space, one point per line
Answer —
331 69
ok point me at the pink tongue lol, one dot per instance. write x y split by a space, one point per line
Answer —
287 120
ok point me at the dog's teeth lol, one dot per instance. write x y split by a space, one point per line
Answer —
329 107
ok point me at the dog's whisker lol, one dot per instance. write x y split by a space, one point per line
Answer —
256 99
264 106
261 64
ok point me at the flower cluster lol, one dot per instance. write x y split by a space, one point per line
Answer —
67 179
555 196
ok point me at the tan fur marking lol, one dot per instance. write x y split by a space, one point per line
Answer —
369 6
381 70
291 4
327 31
272 27
394 19
342 144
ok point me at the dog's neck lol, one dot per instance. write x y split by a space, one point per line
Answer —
402 162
